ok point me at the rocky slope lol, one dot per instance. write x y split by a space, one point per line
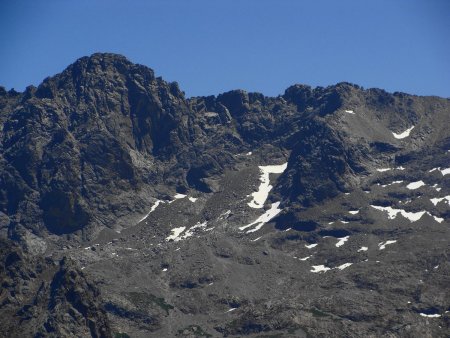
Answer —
41 299
320 212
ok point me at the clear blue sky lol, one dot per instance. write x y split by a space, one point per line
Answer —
212 46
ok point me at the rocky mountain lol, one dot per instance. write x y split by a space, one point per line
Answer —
129 210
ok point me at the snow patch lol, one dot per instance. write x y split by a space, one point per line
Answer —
404 134
350 112
382 245
305 258
153 208
323 268
342 241
415 185
437 219
193 229
392 183
437 200
263 219
353 212
392 213
260 196
344 266
444 172
224 214
363 248
430 316
310 246
177 197
192 199
175 233
319 268
383 169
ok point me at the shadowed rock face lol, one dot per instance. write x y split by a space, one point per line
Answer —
42 299
108 168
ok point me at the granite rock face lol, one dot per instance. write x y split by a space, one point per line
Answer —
320 212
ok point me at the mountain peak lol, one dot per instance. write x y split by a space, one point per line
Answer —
94 71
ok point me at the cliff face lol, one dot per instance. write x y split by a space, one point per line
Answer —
338 191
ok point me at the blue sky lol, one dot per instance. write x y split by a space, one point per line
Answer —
212 46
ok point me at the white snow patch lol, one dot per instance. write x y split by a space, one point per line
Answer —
175 233
344 222
350 112
261 220
394 182
444 172
382 245
260 196
415 185
343 266
392 213
305 258
232 309
258 238
430 316
249 153
342 240
165 269
193 229
353 212
310 246
193 199
383 169
225 214
363 248
438 219
320 268
153 208
437 200
177 197
404 134
400 168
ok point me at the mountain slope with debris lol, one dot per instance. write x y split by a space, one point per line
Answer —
320 212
